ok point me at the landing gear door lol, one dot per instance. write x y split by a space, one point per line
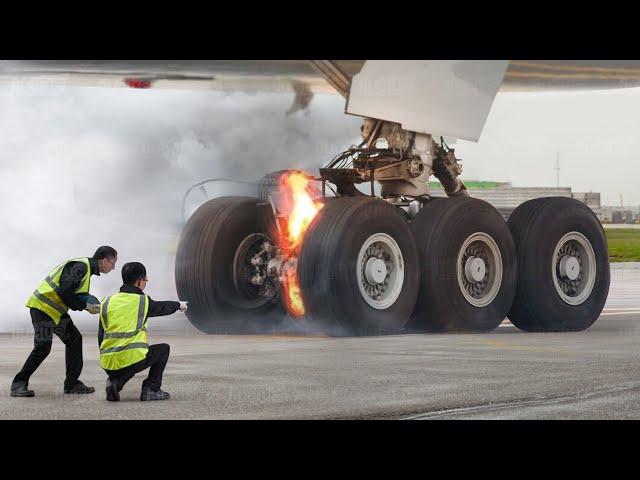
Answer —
440 97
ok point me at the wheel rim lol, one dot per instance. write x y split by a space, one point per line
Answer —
380 271
479 269
573 268
250 295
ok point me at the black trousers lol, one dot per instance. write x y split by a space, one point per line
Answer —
44 328
155 361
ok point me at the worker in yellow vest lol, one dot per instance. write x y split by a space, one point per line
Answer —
66 287
122 336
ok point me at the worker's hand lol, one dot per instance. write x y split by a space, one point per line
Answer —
91 299
183 306
93 308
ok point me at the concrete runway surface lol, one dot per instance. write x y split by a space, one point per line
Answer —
507 374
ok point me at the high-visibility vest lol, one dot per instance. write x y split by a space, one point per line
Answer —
123 317
45 297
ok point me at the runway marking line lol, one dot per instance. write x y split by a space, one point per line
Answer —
526 402
611 312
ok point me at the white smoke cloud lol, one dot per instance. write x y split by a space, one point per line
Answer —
83 167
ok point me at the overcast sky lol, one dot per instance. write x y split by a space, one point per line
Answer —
87 166
597 135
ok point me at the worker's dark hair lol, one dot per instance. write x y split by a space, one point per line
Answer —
104 252
132 272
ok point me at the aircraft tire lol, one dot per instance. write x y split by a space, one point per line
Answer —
563 265
468 264
358 269
207 267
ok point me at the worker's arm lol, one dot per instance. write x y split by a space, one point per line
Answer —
70 279
100 333
159 309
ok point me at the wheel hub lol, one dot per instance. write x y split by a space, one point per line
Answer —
475 269
573 267
569 267
380 271
479 269
375 271
250 269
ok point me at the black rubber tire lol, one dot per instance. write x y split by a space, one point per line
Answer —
536 227
204 267
440 229
327 267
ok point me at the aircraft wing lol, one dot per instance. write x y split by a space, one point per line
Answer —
321 76
237 75
446 97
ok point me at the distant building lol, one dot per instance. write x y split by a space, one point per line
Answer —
506 198
619 214
591 199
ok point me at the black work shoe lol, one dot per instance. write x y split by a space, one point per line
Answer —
148 394
112 390
79 387
19 389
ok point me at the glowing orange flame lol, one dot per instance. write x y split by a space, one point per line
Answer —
300 210
301 207
292 294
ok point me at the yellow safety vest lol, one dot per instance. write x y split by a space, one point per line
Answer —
46 298
123 317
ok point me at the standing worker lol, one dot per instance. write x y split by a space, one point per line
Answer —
66 287
122 336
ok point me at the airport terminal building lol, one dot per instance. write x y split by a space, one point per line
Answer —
506 197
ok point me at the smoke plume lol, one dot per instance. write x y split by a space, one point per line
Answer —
83 167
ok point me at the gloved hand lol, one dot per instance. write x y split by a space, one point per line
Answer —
92 299
183 306
93 308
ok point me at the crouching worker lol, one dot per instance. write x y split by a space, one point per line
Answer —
122 336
